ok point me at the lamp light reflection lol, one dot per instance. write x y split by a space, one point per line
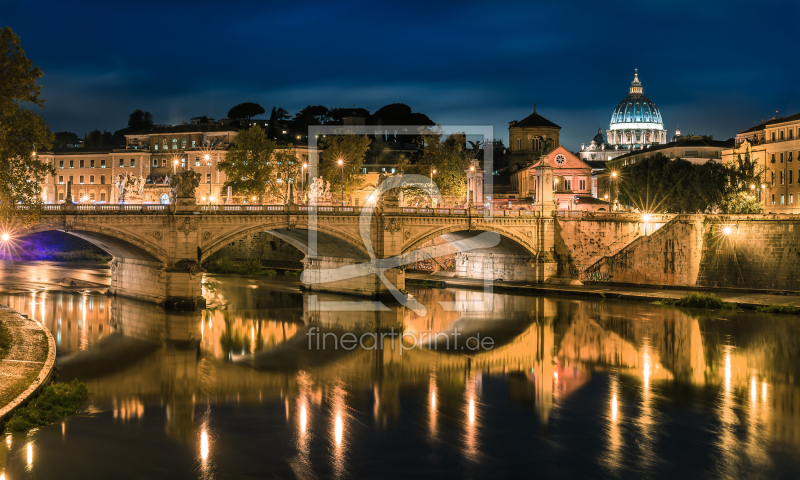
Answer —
204 445
763 391
339 427
30 454
753 393
303 418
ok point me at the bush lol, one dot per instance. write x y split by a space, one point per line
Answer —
700 300
54 403
293 272
791 309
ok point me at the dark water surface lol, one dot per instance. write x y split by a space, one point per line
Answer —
572 388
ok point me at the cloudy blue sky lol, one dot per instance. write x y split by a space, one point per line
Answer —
713 67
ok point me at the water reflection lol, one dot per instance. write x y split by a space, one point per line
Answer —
563 373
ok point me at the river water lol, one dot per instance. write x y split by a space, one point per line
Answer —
570 388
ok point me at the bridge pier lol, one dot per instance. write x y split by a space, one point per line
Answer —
348 276
494 266
176 287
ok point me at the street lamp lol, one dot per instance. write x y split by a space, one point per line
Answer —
303 181
6 237
433 170
613 177
341 166
174 166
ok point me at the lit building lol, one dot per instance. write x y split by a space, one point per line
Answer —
527 138
572 182
636 122
152 155
774 145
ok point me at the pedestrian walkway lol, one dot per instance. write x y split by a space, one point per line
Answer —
744 299
28 363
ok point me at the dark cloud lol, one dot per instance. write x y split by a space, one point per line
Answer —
712 67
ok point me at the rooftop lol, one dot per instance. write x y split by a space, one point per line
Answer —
534 120
687 141
156 130
771 121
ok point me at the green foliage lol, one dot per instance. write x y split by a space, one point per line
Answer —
292 272
286 166
658 184
226 265
351 150
791 309
5 340
699 300
245 111
62 139
310 115
248 165
97 139
56 402
22 132
139 120
448 156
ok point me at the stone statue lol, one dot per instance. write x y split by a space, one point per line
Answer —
547 145
476 146
327 193
129 187
183 184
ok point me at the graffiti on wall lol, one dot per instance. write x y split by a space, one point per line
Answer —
597 277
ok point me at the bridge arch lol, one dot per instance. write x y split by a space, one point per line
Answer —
117 243
510 242
330 242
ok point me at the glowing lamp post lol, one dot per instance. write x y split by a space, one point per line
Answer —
341 166
433 170
613 178
727 230
303 180
6 237
174 167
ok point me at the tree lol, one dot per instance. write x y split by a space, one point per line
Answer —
311 115
22 132
351 150
63 139
286 169
448 156
139 120
245 111
338 114
247 163
97 139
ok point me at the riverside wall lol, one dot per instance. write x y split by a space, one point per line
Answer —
760 252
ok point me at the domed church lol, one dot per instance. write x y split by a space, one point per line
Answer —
636 122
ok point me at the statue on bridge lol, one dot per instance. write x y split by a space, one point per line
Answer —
129 188
183 184
319 191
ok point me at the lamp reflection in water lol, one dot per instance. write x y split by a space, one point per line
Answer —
205 443
30 455
471 423
301 463
432 392
647 422
338 406
613 458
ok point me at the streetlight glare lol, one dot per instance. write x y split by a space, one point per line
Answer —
6 237
340 161
727 230
206 157
614 174
305 165
646 218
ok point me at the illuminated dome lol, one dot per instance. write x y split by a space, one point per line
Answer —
636 121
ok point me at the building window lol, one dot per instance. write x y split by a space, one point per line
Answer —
567 184
121 162
156 147
773 136
103 199
196 161
133 162
102 179
781 158
72 164
165 144
772 177
208 178
791 198
183 143
163 162
791 134
773 199
789 158
61 164
781 199
102 163
183 163
780 174
781 134
174 143
582 184
519 144
81 163
81 179
91 179
91 196
70 179
192 143
91 163
61 179
790 176
61 196
155 162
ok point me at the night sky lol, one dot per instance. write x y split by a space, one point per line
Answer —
711 67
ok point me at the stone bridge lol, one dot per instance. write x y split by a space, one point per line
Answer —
157 250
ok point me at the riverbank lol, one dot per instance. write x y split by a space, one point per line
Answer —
742 298
28 360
